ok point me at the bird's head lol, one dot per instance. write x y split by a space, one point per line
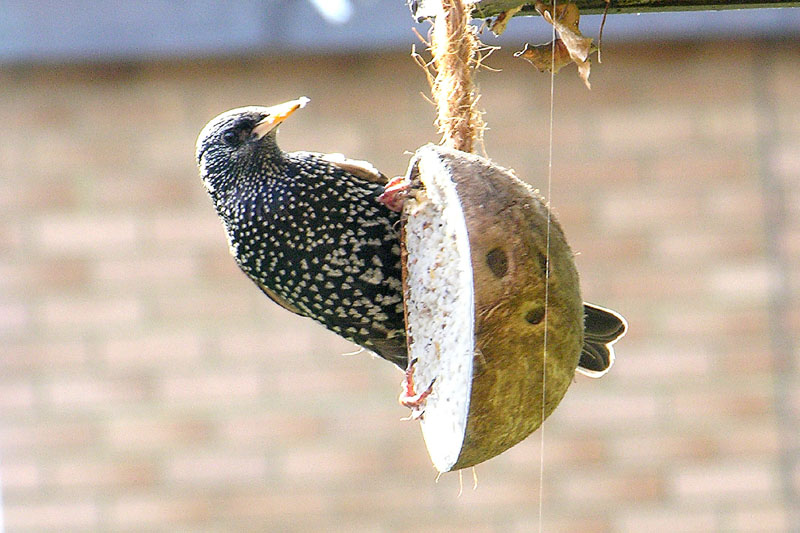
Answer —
231 141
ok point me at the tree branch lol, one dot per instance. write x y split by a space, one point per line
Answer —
490 8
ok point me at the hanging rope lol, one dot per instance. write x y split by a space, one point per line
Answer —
454 46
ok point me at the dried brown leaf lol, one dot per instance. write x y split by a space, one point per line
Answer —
571 46
566 23
584 69
541 56
498 25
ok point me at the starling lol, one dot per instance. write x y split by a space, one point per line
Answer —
310 230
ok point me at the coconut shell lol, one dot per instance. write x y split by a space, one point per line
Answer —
506 223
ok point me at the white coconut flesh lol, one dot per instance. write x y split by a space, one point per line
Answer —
440 309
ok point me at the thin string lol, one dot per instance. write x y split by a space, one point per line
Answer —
547 272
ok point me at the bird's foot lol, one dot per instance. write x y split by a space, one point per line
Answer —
409 397
395 193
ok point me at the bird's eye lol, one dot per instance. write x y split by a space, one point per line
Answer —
230 137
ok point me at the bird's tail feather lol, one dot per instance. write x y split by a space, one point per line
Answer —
602 328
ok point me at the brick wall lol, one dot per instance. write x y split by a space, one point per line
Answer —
146 385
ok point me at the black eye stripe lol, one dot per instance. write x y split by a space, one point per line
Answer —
236 135
239 131
231 137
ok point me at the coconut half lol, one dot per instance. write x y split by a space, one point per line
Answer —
474 260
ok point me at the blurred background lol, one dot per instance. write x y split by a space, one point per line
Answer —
146 385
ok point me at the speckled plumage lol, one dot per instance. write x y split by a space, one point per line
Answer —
308 230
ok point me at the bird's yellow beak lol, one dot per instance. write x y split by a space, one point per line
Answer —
277 114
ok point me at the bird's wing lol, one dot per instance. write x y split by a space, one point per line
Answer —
602 328
280 301
389 344
392 349
361 169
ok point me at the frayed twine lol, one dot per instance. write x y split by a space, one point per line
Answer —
457 53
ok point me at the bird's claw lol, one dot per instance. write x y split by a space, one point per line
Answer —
409 397
395 193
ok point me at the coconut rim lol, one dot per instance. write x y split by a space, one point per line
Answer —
444 420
